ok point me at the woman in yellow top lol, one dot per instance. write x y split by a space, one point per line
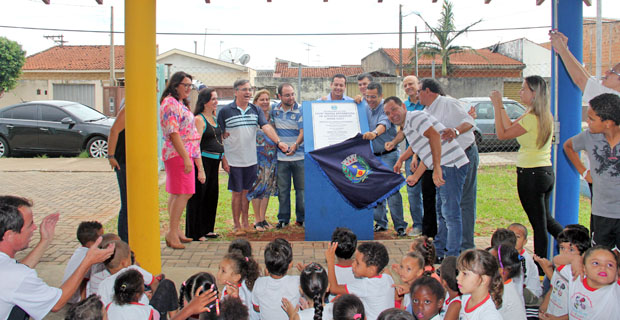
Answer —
535 177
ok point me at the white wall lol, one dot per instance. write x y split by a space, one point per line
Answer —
537 60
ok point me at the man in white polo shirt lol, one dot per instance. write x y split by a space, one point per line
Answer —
240 121
22 292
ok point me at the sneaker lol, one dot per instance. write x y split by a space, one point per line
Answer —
299 224
401 232
414 232
379 228
281 224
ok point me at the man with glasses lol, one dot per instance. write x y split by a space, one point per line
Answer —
382 132
239 122
287 119
587 83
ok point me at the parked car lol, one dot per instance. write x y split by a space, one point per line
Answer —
54 127
485 134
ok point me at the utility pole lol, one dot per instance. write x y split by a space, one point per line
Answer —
400 40
415 47
599 40
112 76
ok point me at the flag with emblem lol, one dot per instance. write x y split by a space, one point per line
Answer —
358 175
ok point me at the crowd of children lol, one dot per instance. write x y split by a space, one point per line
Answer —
500 282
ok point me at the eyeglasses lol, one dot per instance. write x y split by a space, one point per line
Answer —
186 85
614 72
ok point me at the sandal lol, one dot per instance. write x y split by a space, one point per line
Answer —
203 238
239 232
259 226
212 235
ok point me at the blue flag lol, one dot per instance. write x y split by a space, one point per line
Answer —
360 176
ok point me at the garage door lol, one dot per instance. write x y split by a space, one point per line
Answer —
82 93
511 90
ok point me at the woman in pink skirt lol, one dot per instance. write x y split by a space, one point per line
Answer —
180 151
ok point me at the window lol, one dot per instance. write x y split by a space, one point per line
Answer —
514 110
52 114
485 111
23 112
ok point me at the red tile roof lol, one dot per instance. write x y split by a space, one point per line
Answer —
283 70
76 58
483 57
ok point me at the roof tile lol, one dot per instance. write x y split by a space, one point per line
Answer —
76 58
480 57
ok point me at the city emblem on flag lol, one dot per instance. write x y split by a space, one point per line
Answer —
355 168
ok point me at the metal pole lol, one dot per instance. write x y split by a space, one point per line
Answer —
112 76
141 133
299 82
415 48
599 40
400 40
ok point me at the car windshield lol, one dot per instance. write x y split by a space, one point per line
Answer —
85 113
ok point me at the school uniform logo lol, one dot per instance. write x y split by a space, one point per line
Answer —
355 168
580 305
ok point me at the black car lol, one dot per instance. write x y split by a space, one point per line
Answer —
55 127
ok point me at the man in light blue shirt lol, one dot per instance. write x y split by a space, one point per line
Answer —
338 87
382 132
287 119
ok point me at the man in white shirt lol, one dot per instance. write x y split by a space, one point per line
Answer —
589 85
449 112
22 292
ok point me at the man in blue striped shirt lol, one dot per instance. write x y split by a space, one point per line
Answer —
287 119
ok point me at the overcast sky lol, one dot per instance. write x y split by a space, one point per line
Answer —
281 16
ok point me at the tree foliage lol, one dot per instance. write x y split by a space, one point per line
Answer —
445 33
12 59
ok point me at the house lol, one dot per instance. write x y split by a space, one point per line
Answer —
75 73
213 72
537 59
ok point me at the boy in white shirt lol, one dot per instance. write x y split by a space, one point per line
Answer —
269 290
347 242
87 233
164 295
98 272
374 288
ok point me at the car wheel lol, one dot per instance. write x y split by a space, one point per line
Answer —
4 148
97 147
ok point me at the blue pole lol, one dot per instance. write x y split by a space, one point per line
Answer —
568 19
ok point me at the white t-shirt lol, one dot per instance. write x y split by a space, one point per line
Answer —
451 114
308 314
558 300
131 311
72 265
344 276
376 293
268 293
532 279
106 288
21 286
585 302
595 88
485 310
512 304
447 302
98 273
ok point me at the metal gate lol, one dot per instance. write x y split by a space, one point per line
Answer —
82 93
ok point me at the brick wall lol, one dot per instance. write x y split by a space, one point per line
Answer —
589 44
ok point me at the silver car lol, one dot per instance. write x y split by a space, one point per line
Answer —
486 138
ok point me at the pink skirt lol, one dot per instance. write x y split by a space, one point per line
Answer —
177 181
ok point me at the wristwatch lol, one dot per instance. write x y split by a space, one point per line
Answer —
456 131
375 132
110 156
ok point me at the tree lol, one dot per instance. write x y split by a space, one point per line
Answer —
445 33
12 59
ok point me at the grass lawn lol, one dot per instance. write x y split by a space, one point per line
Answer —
498 205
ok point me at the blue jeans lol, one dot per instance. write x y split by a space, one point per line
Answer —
448 203
395 201
468 201
414 195
121 177
286 171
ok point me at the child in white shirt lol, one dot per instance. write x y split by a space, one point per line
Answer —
268 291
237 275
452 304
374 288
128 290
87 233
313 283
481 285
427 297
347 242
510 268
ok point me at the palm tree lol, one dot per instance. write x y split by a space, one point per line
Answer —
445 33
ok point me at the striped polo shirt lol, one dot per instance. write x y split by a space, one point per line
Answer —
287 124
240 145
416 123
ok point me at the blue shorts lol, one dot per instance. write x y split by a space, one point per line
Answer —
241 178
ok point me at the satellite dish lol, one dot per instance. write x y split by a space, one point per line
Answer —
244 59
234 55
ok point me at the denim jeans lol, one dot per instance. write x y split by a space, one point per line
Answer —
121 177
286 171
395 201
414 195
468 201
449 224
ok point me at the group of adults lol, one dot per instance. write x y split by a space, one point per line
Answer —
259 145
